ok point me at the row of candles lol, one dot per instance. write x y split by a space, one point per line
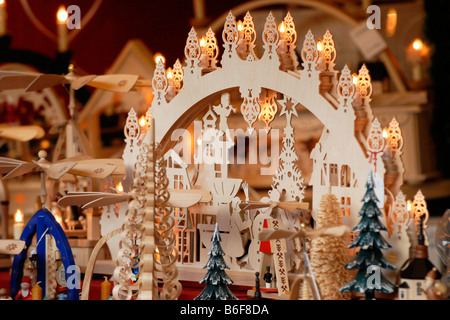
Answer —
61 22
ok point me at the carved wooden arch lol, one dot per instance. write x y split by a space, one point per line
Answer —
197 95
385 56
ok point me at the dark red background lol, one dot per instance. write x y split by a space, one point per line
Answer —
162 25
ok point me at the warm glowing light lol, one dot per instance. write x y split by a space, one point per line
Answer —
240 26
202 42
319 45
355 79
159 57
119 187
45 144
408 205
199 141
18 216
281 27
169 73
417 44
2 2
58 219
62 14
142 121
391 22
385 133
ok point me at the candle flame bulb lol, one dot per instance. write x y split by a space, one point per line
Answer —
119 187
18 217
408 205
355 79
169 73
281 27
417 45
62 15
385 133
202 42
319 45
142 121
159 57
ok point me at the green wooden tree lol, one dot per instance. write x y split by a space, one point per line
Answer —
369 258
216 279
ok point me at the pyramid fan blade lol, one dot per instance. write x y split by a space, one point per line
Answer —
21 169
82 81
254 205
78 199
57 170
118 163
107 200
22 133
292 205
8 246
7 73
16 82
86 169
46 81
265 235
114 82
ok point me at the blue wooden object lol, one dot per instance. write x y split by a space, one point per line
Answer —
43 222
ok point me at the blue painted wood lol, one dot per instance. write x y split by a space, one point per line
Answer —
43 222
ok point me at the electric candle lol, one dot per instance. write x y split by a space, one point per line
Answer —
2 17
18 224
63 44
36 292
105 289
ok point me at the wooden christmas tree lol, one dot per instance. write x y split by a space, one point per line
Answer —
216 279
369 258
329 254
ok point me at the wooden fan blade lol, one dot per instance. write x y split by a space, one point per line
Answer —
114 82
22 169
192 196
107 200
57 170
181 199
16 82
45 81
11 246
254 205
292 205
118 163
82 81
21 133
6 73
78 199
265 235
98 171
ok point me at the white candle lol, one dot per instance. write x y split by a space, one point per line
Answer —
2 17
61 21
18 224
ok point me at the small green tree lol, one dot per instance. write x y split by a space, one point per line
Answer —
216 279
369 258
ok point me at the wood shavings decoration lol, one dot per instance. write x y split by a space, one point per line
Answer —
130 247
329 254
165 237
